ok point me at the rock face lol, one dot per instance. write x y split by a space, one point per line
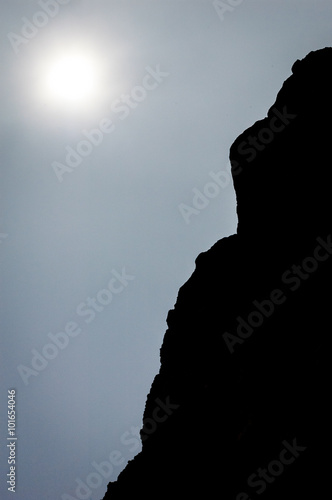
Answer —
240 407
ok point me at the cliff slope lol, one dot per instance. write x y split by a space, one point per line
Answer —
240 406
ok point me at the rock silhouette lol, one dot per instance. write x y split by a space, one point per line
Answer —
240 407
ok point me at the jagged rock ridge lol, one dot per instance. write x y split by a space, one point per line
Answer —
240 404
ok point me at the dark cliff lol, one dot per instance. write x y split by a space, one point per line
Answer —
240 407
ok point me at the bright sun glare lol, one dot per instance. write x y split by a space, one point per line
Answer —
71 80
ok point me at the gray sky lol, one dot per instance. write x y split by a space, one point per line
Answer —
98 251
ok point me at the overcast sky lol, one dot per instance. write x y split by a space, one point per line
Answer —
107 201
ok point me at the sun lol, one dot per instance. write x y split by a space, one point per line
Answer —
72 78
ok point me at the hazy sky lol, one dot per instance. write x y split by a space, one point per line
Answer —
116 121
